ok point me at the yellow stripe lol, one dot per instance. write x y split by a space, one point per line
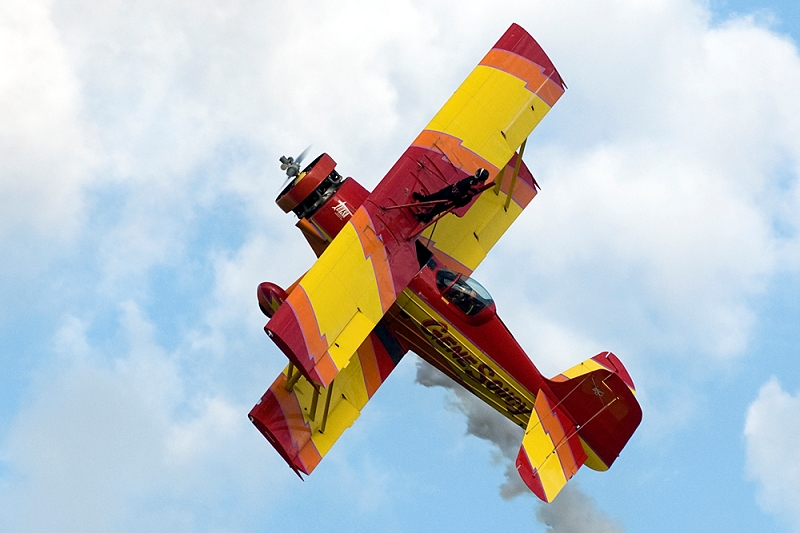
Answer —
585 367
468 239
349 397
489 102
344 292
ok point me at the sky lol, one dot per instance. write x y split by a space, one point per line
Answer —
139 146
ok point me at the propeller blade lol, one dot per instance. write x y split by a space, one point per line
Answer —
291 165
303 154
285 183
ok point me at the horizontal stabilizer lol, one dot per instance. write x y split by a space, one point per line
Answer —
551 451
603 360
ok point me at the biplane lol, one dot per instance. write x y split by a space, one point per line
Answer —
393 274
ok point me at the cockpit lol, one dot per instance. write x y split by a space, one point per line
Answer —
465 293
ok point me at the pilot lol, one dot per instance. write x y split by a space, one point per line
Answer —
453 196
464 297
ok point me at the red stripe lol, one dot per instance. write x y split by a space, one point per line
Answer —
529 475
520 42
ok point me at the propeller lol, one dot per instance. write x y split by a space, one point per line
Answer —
291 165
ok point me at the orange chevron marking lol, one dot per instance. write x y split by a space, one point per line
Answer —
552 426
530 72
453 148
309 456
374 251
315 341
326 368
369 366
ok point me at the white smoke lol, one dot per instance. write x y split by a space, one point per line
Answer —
574 511
570 512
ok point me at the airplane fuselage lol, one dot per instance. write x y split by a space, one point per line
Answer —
484 358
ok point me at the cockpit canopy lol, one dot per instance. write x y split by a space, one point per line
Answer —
464 292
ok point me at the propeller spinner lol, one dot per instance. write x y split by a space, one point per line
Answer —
291 165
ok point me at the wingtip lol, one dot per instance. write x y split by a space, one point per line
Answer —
517 40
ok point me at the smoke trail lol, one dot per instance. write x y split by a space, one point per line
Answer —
574 511
571 512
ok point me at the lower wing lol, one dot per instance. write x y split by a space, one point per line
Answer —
302 421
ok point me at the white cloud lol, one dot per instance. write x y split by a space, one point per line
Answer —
652 234
44 158
772 431
116 442
667 117
674 161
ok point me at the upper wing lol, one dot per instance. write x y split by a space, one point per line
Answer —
481 126
342 297
497 106
488 117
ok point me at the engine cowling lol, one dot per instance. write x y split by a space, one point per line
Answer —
322 200
307 192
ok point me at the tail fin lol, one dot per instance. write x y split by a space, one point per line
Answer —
586 417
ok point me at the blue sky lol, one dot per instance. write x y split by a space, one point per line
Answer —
139 147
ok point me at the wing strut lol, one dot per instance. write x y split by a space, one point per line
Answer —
291 377
498 181
325 411
314 400
514 176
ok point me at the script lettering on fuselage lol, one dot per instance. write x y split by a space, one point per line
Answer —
477 371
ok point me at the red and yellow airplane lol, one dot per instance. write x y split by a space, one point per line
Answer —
393 275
